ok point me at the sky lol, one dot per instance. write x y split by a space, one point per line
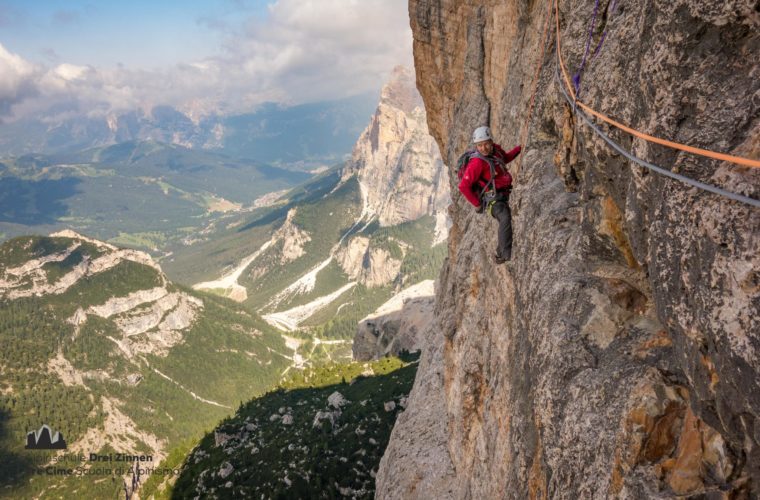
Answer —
225 56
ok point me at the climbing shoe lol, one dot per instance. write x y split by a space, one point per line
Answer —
499 259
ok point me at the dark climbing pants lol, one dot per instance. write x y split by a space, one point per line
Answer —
501 212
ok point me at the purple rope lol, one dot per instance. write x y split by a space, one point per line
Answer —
601 41
577 75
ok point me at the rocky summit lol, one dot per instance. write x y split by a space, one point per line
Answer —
616 355
397 161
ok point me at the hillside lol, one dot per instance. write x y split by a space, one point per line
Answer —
320 435
327 254
616 355
230 238
285 259
114 193
100 346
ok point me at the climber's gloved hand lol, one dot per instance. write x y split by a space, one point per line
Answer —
479 209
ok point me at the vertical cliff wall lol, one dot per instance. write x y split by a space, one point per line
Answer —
618 354
397 161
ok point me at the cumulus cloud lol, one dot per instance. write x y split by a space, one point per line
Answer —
301 51
321 49
17 80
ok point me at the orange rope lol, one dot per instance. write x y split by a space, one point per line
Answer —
526 124
698 151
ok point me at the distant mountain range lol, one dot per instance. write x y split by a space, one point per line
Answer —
297 136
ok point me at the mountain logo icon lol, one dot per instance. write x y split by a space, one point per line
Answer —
45 439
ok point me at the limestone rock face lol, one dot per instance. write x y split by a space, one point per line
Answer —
616 356
369 265
293 239
396 325
397 162
30 278
417 462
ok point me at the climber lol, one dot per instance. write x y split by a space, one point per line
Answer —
486 184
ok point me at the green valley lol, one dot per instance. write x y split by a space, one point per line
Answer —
141 194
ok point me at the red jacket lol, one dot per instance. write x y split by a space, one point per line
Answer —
478 173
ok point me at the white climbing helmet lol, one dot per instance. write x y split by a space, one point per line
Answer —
481 134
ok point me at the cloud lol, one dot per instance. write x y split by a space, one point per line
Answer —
311 50
213 23
300 51
17 80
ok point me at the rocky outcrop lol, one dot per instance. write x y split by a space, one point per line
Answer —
292 237
121 305
369 265
397 325
397 162
68 233
287 244
30 279
150 320
616 355
119 432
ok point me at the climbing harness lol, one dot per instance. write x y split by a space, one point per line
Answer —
490 195
675 145
465 158
491 184
497 197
